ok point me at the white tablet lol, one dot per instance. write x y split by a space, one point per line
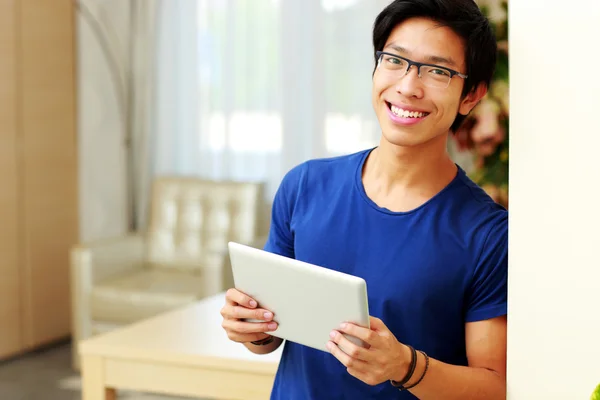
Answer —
308 301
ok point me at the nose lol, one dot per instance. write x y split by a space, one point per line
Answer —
409 84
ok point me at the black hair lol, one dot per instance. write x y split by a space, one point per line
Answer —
462 16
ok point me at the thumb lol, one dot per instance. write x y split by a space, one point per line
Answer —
377 324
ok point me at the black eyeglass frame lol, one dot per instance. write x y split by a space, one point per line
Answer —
419 65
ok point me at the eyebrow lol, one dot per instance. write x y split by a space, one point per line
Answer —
430 59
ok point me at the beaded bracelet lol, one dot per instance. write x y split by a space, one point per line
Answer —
424 372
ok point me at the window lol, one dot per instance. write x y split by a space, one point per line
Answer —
282 81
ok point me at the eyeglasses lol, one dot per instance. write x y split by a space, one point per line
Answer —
431 75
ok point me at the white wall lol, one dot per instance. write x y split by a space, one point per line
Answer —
554 260
102 176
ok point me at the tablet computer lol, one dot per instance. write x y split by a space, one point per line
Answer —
308 301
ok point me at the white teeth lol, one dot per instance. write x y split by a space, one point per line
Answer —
407 114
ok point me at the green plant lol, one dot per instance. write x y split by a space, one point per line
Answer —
485 131
596 393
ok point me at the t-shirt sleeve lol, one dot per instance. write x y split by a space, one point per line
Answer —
281 238
487 297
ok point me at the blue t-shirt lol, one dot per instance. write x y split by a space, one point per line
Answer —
428 271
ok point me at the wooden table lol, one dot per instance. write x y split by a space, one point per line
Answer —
183 353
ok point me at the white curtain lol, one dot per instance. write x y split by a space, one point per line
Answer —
221 89
246 89
166 138
115 43
142 103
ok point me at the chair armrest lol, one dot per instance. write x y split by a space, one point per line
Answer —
92 263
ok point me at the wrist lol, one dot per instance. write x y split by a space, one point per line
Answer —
417 372
403 367
420 371
263 342
408 372
266 348
419 366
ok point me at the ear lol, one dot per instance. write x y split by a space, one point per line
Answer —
472 99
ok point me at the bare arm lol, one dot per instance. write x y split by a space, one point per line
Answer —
385 358
484 378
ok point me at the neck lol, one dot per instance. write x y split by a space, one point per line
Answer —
426 168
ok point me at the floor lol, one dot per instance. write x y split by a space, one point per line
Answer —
47 375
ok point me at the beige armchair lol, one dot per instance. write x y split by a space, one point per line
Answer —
181 257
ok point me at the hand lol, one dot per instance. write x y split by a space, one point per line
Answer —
239 306
384 357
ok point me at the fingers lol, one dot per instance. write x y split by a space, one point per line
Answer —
359 369
349 362
249 327
244 332
234 296
246 337
239 312
239 308
352 350
242 306
365 334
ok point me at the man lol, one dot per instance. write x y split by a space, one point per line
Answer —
431 245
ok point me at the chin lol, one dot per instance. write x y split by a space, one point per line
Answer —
407 138
402 141
404 137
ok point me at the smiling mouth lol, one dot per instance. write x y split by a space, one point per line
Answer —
405 113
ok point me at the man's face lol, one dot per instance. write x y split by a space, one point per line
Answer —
433 109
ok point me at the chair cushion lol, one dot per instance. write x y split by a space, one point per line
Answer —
193 218
144 293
